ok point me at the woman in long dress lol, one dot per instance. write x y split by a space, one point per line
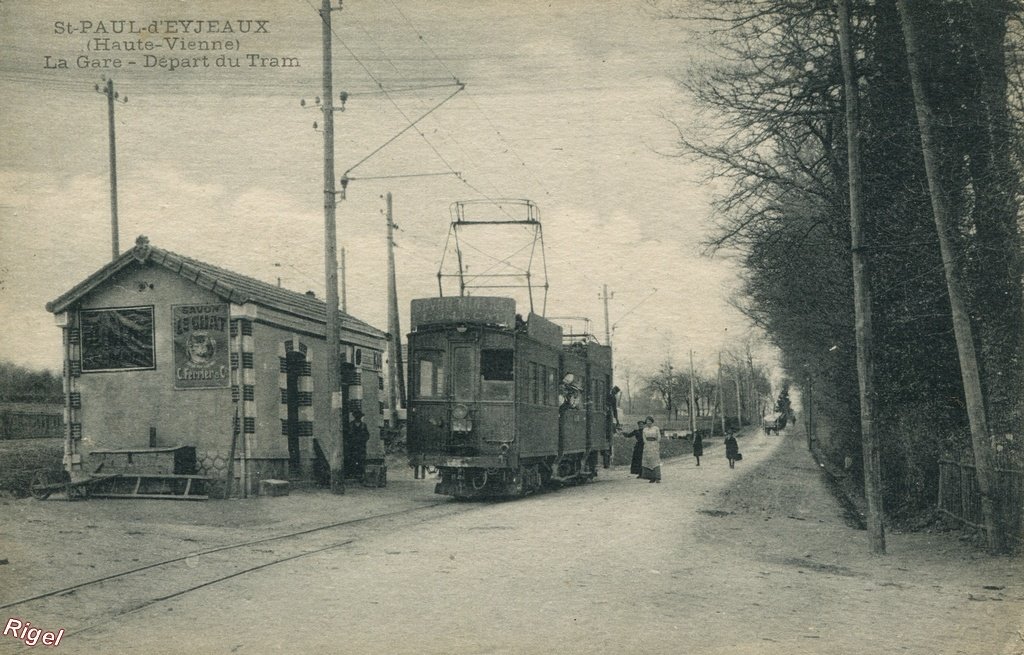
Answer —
732 450
652 451
637 462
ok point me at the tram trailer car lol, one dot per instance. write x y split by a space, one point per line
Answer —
498 405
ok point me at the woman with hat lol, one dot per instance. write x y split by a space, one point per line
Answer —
652 451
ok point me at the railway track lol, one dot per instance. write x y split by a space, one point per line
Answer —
89 605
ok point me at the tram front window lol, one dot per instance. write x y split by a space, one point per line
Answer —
496 374
430 374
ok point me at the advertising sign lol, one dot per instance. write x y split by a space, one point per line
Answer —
201 336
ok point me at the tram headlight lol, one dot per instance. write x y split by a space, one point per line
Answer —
460 411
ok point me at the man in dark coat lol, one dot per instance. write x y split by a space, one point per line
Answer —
355 445
698 446
636 464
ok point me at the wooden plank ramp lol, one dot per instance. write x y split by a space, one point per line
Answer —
154 485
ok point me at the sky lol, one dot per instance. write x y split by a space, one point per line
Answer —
571 105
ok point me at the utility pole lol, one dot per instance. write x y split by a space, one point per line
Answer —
108 90
669 417
693 403
810 412
607 325
629 393
739 402
721 392
394 327
335 421
961 319
344 287
861 294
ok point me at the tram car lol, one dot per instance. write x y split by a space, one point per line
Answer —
499 405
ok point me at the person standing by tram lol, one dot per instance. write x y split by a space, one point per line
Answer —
636 464
611 423
652 451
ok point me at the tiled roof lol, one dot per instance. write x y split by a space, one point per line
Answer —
232 287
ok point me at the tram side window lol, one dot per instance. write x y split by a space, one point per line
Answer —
496 373
430 375
532 381
542 372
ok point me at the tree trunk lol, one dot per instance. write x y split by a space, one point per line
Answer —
961 319
861 295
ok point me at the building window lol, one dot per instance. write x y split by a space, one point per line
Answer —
117 338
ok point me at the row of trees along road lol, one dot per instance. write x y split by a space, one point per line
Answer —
774 137
745 390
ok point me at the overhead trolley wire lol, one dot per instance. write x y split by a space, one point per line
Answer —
455 80
469 95
385 92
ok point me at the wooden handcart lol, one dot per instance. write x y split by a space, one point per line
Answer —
120 485
46 482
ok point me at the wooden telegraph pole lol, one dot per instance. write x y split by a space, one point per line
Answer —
108 90
961 320
335 421
344 287
693 403
607 325
721 393
861 294
397 392
739 402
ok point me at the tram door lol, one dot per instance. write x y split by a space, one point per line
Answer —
464 391
464 375
295 362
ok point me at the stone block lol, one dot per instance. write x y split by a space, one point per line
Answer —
273 487
375 475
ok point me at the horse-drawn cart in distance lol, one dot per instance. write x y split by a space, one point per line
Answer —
774 423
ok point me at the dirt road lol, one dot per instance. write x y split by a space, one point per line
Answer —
712 560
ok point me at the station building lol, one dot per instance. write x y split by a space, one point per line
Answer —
164 353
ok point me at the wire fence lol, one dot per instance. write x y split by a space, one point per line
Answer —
960 498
